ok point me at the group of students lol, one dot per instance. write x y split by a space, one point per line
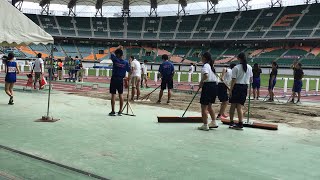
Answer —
119 70
297 84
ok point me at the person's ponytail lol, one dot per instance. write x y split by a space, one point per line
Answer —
243 61
209 60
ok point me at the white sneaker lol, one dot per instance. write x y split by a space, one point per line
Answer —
213 125
204 127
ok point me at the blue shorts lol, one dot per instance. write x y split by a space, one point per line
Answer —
273 84
208 93
239 94
10 78
256 83
222 92
297 86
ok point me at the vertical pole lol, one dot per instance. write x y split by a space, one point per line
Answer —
50 79
199 77
155 77
189 77
248 118
317 86
285 87
97 72
179 76
307 85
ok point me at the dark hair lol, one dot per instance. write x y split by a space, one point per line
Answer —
164 57
232 65
145 61
255 66
191 63
209 60
132 57
275 64
118 53
39 55
76 57
10 56
243 61
299 64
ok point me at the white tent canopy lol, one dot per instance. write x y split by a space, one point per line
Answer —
17 29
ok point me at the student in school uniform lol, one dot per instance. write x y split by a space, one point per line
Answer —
272 80
223 86
297 85
256 71
209 87
166 70
120 67
241 77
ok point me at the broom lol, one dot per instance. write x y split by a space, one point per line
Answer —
182 119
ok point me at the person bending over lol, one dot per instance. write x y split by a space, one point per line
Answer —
166 70
120 67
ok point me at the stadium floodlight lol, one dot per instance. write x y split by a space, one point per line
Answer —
312 1
17 4
182 4
45 5
72 7
276 3
126 8
211 5
153 8
99 4
243 5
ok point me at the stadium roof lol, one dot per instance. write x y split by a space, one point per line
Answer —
114 2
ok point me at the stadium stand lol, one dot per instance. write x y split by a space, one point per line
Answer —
246 19
311 18
289 17
83 25
135 24
267 18
207 22
169 24
187 23
226 21
66 25
49 24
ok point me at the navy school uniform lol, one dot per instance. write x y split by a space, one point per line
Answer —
11 75
166 70
297 84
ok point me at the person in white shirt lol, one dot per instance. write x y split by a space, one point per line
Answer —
191 70
135 77
241 77
144 74
208 84
223 87
37 69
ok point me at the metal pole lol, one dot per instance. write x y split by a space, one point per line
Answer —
50 78
248 118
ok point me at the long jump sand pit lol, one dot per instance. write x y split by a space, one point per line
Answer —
305 115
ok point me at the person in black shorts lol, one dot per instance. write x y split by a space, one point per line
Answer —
166 70
241 77
209 87
120 67
297 85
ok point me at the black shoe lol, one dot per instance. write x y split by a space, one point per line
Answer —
119 113
158 102
231 125
11 101
239 126
112 113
